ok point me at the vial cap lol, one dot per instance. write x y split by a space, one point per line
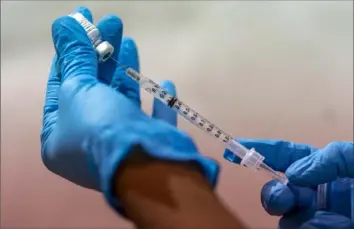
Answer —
104 51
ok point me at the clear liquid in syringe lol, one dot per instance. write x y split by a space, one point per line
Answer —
249 158
180 107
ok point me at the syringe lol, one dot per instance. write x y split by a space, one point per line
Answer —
249 158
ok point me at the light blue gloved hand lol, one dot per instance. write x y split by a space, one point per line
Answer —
306 167
89 127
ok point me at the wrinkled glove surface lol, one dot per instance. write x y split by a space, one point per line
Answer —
306 167
92 116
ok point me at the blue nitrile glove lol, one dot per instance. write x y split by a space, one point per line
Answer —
89 127
306 167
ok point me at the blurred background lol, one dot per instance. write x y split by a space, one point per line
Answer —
259 69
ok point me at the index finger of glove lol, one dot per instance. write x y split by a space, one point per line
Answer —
325 165
279 155
76 56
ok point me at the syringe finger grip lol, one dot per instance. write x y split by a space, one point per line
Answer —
252 159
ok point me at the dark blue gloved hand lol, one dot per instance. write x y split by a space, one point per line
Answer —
306 167
89 127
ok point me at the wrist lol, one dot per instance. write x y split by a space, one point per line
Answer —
163 194
160 141
143 175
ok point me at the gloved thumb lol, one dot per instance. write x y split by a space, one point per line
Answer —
278 199
76 55
325 165
328 220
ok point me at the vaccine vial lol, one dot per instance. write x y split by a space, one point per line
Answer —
103 48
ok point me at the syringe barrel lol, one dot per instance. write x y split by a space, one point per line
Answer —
249 158
103 48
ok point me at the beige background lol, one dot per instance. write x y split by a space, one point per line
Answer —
257 69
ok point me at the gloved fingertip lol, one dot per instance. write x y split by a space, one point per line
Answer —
111 29
277 199
328 220
129 44
86 12
323 166
230 156
169 86
304 172
161 110
297 179
59 26
112 20
128 54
